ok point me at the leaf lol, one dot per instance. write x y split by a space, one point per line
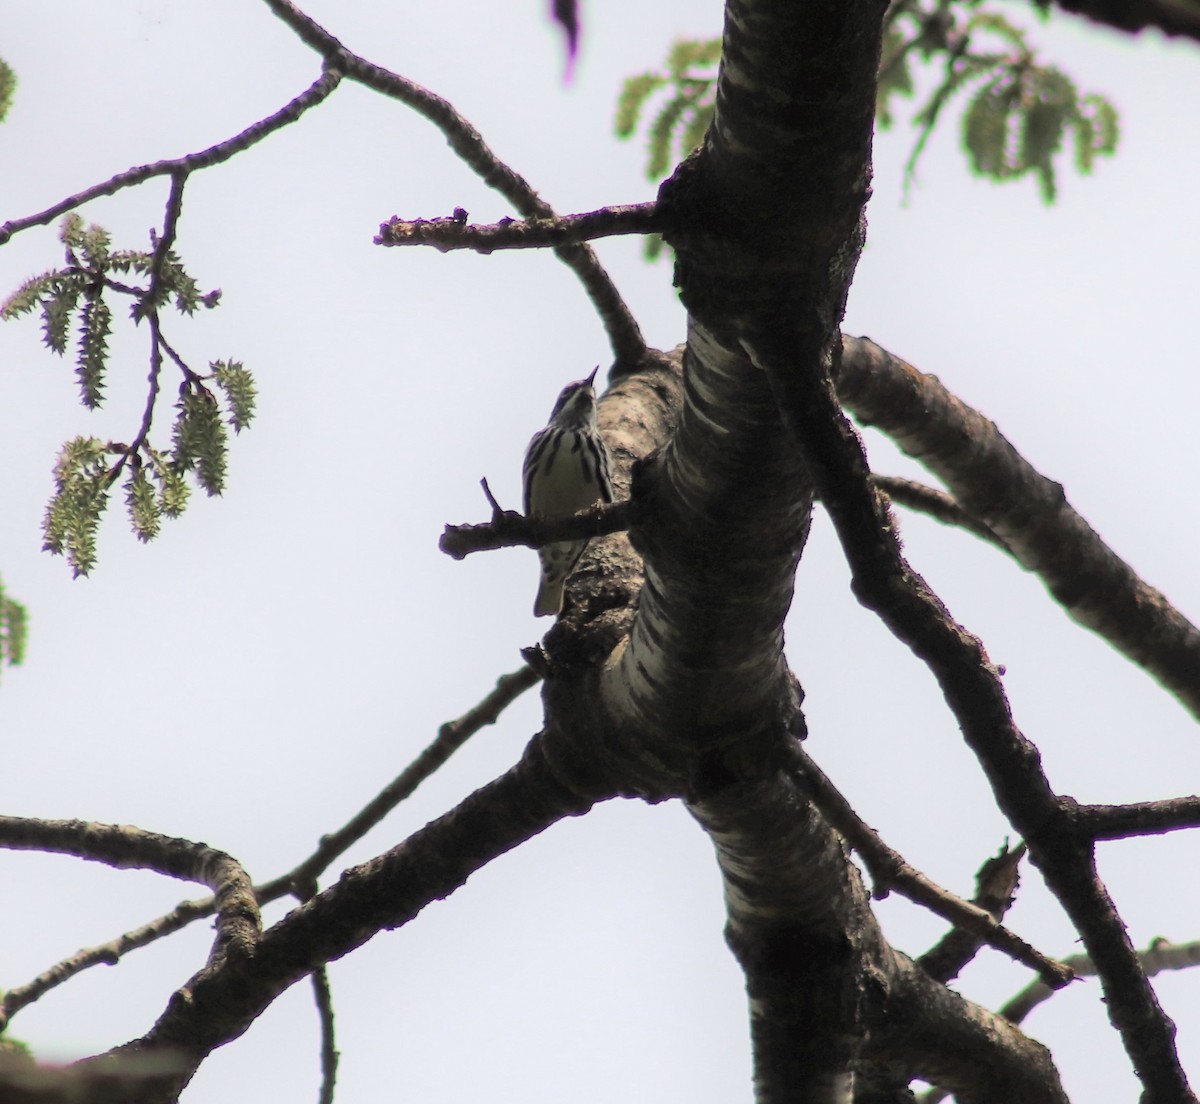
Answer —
145 511
240 393
95 324
26 297
58 304
8 86
173 491
73 515
634 94
198 439
13 622
985 128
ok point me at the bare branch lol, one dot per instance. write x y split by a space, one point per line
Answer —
220 1002
884 582
508 529
938 505
128 848
448 234
1142 818
192 162
1160 955
106 954
451 736
994 887
889 870
624 333
329 1054
995 484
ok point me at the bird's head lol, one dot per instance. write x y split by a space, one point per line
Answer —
576 402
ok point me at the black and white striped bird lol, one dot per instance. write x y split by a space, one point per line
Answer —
566 470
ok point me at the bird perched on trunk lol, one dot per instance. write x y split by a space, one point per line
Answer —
566 470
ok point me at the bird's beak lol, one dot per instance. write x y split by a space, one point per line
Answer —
591 379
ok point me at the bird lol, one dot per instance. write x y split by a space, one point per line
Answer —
566 470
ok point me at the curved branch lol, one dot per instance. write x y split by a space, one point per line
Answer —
192 162
220 1002
451 736
883 581
127 848
624 333
995 484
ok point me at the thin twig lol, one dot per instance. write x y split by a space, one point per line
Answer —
150 297
624 333
105 954
329 1052
447 234
1159 956
890 870
192 162
937 504
995 884
508 529
451 736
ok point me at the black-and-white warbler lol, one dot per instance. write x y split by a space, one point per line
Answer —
566 470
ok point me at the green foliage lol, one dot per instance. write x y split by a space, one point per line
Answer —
13 620
81 478
1019 109
8 86
238 387
173 491
156 484
198 439
95 324
145 510
1015 122
683 118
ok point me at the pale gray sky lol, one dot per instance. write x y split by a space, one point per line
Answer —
256 674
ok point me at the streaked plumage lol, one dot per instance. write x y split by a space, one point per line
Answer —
566 470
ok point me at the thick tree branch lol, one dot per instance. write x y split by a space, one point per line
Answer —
302 879
128 848
995 484
1174 17
1143 818
221 1001
884 582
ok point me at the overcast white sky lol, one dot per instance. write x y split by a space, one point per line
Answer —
255 675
